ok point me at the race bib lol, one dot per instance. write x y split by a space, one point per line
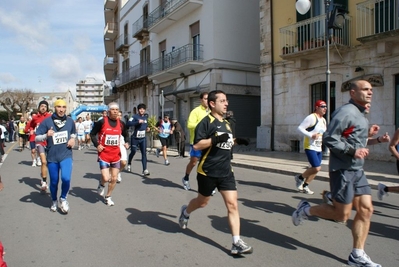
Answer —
166 131
140 134
226 145
60 137
112 140
318 141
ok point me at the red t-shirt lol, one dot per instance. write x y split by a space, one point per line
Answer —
35 122
110 137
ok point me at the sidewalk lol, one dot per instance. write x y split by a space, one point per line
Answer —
291 163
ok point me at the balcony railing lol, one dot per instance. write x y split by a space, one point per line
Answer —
133 73
310 34
122 42
184 54
110 61
140 26
110 30
376 17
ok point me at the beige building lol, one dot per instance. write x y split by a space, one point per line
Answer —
179 49
294 59
51 98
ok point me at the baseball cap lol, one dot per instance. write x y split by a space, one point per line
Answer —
319 103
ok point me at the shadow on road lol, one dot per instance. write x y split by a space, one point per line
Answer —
87 194
250 228
268 186
157 221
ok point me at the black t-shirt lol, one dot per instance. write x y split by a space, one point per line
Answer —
215 160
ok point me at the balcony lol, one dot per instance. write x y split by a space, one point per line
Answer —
122 43
140 28
377 20
111 30
307 38
135 73
182 60
109 45
167 14
110 15
110 4
110 62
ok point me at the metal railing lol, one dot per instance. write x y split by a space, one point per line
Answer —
309 34
110 59
140 25
376 16
134 73
163 10
187 53
122 41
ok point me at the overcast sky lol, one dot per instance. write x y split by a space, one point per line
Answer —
49 45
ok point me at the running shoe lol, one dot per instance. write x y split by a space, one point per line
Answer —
119 179
64 205
298 182
326 195
299 214
128 168
100 189
381 191
43 186
39 162
186 184
306 190
183 220
146 172
34 163
362 261
167 162
109 201
213 192
240 247
53 207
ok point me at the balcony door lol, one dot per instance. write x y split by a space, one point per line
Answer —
195 38
318 91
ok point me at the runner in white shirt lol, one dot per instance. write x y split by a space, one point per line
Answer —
80 130
88 124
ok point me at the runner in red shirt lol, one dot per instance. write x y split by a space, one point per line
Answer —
106 135
40 146
31 138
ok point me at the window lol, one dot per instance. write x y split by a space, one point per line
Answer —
385 17
195 37
397 100
319 92
162 52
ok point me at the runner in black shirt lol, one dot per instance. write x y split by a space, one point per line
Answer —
214 137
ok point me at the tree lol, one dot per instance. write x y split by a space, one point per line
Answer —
16 100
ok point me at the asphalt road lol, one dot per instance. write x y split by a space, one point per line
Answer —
142 229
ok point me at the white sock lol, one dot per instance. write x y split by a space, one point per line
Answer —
185 213
306 210
357 252
235 238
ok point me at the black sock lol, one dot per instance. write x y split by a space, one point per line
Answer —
186 177
305 184
44 179
386 189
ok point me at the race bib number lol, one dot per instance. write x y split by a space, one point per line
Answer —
318 141
112 140
166 131
60 137
226 145
140 134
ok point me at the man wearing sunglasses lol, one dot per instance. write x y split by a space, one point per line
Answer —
312 127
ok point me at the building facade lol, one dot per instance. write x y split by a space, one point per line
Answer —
169 51
295 65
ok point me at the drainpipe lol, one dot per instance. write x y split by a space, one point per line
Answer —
272 73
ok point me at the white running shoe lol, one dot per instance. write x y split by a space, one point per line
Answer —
39 162
298 182
64 205
146 172
362 261
186 184
109 201
381 191
240 247
53 207
299 214
43 186
183 220
306 190
119 179
128 168
34 163
167 162
100 189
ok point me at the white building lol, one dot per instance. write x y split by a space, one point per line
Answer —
182 48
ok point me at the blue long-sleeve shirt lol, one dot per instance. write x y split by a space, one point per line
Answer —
139 128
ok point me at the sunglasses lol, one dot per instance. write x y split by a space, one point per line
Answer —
323 106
